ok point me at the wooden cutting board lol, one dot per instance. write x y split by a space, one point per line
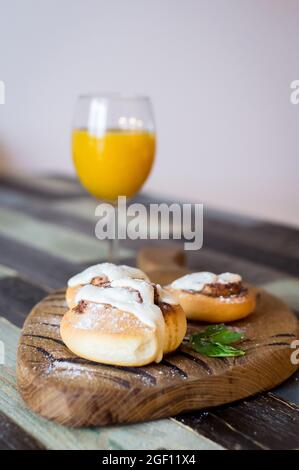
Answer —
61 386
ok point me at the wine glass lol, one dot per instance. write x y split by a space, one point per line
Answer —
113 145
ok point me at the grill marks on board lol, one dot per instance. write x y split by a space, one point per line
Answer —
179 366
65 356
48 331
282 335
175 369
53 361
58 341
198 361
174 366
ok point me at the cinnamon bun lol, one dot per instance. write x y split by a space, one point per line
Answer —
213 298
125 322
100 275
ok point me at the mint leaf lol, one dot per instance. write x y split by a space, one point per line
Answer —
215 341
211 329
226 337
220 334
215 349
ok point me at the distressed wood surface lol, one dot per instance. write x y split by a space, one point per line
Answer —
265 254
262 423
12 437
61 386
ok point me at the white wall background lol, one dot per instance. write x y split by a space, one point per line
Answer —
218 72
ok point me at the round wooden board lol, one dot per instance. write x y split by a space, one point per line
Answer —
61 386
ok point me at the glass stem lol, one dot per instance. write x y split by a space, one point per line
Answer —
113 251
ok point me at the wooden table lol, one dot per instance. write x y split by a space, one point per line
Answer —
47 234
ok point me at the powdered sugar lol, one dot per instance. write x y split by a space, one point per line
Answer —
107 318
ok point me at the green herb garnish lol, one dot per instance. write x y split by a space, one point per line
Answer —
215 341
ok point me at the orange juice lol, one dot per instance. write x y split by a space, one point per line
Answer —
115 164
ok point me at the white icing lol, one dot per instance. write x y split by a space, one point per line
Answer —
165 296
145 289
194 281
228 278
111 271
197 281
129 301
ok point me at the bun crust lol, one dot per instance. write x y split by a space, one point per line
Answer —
71 295
108 335
175 326
210 309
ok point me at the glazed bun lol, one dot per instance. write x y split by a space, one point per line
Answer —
210 298
126 322
70 295
99 275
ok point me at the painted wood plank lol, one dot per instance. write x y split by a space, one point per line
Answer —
287 290
84 208
37 265
254 232
165 434
162 434
224 433
6 271
262 422
46 211
265 243
286 263
12 437
40 267
204 259
17 298
43 186
54 239
246 234
211 260
54 185
237 228
225 225
80 216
